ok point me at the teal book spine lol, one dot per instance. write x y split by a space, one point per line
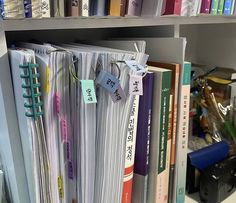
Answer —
220 7
214 7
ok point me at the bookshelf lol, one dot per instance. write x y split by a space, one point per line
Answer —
211 40
109 22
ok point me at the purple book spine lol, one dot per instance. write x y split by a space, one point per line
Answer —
205 7
141 162
28 8
134 8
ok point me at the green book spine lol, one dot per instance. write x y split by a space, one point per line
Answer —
214 7
220 7
165 102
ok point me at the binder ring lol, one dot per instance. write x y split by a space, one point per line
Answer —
117 67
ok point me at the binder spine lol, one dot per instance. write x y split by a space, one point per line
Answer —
31 90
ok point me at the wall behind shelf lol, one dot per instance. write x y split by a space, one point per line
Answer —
211 44
88 34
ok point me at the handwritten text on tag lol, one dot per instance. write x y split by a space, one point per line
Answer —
108 81
118 95
88 91
136 85
134 65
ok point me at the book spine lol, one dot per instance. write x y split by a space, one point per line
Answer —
75 8
1 9
182 134
214 7
13 9
232 7
205 7
115 7
227 7
130 153
172 7
185 8
173 139
163 135
169 7
163 7
85 8
168 155
134 7
141 162
194 7
220 7
123 7
28 8
177 7
46 9
36 8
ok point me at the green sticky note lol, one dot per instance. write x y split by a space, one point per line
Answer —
88 91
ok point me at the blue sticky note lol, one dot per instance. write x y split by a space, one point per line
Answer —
88 91
108 81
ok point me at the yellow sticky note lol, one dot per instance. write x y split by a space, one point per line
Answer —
47 81
60 187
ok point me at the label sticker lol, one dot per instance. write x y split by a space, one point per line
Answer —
64 132
70 170
60 187
136 85
108 81
88 91
118 95
47 86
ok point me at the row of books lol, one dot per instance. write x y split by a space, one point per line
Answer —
111 128
63 8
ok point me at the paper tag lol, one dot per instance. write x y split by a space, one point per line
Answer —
60 187
136 85
88 91
134 65
108 81
47 80
70 170
118 95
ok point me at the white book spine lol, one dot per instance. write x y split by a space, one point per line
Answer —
182 134
185 8
45 8
36 8
130 151
13 9
85 8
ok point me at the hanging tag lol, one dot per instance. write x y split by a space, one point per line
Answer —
134 65
136 85
108 81
118 95
88 91
47 80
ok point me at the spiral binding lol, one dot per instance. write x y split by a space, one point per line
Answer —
31 85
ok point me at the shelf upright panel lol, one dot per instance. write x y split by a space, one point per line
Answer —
10 142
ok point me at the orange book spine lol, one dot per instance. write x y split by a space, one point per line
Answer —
117 7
